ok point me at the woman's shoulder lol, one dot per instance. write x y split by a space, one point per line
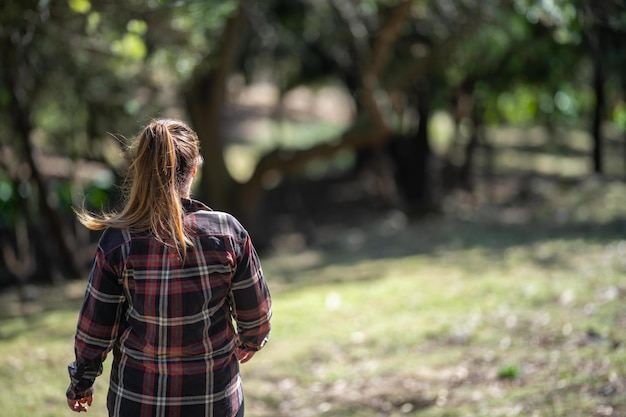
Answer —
113 238
217 222
224 220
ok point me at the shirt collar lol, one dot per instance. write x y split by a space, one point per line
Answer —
190 205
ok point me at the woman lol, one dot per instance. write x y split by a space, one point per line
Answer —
176 291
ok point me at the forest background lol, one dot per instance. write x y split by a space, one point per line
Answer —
460 162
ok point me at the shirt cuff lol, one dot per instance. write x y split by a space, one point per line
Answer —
82 379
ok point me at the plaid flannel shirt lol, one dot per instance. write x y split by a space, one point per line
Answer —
173 326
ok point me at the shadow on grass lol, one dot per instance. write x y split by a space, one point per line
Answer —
352 232
352 254
37 313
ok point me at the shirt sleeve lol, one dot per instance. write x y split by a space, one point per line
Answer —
98 324
251 301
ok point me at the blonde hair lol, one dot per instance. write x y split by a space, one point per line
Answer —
164 157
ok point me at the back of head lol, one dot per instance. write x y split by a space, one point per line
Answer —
165 155
164 159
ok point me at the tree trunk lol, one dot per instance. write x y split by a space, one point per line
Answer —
595 39
205 97
423 197
596 127
623 85
412 157
467 169
65 256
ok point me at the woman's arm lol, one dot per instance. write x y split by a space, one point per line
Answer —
251 303
97 325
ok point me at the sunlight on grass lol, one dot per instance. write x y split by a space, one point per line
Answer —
34 353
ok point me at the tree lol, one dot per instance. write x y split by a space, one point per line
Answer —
367 47
602 28
23 79
70 70
205 96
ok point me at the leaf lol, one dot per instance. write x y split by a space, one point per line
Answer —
79 6
130 46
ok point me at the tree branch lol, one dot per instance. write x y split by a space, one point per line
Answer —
387 36
286 161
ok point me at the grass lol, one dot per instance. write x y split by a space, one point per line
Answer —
452 318
504 336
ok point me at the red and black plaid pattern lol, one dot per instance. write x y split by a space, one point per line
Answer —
173 324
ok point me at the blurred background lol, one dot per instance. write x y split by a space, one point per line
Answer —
311 113
363 128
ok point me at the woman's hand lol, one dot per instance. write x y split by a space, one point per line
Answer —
244 355
79 405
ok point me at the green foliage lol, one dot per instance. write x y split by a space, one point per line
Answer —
102 65
619 115
8 205
130 46
520 59
62 193
80 6
519 107
97 197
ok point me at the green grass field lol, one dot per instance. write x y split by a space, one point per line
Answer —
436 318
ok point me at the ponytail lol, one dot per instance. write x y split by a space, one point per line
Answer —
165 154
